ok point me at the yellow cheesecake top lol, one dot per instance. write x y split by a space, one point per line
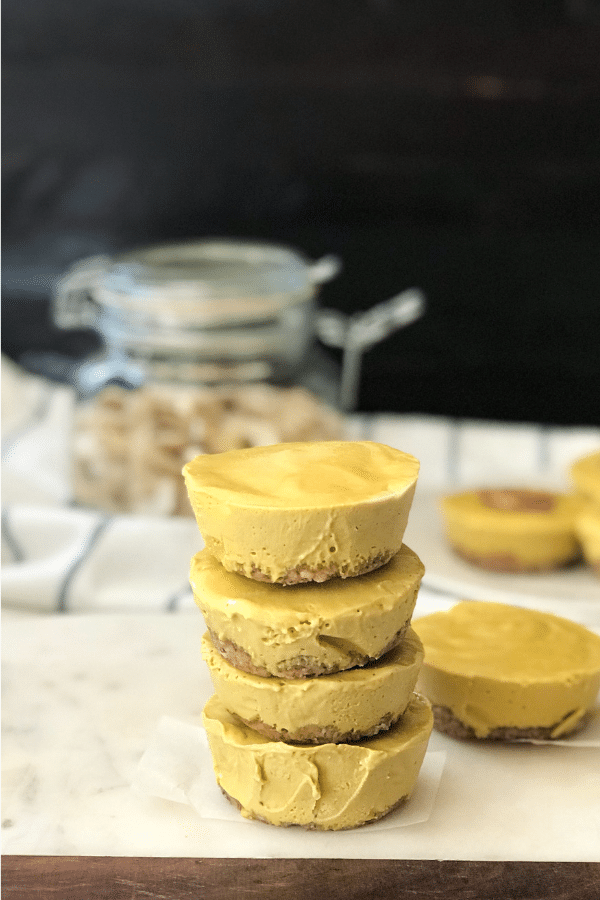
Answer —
302 475
504 642
514 509
585 473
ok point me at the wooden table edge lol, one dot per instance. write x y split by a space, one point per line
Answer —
179 878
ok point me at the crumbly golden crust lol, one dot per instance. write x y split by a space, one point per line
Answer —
314 827
305 574
317 734
507 563
446 722
298 667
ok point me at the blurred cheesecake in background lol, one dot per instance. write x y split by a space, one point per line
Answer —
512 529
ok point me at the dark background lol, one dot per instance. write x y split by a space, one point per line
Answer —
451 146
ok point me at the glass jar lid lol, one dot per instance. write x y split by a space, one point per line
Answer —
194 284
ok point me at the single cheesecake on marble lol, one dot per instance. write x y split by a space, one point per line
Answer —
502 672
305 511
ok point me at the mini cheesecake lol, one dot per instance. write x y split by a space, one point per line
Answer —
324 786
585 474
343 707
512 529
306 629
587 526
503 672
306 511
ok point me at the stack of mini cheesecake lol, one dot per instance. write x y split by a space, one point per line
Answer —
307 591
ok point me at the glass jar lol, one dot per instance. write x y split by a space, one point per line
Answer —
217 338
199 312
207 346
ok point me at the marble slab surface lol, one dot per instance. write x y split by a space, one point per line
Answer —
82 699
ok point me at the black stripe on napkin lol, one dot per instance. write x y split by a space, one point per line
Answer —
80 559
38 414
9 538
175 599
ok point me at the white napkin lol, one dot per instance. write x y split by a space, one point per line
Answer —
56 557
36 435
66 560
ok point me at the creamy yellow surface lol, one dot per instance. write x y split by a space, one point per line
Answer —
303 475
585 473
321 506
328 786
499 666
588 531
356 700
335 623
532 538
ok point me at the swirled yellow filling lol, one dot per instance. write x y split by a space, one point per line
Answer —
328 786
